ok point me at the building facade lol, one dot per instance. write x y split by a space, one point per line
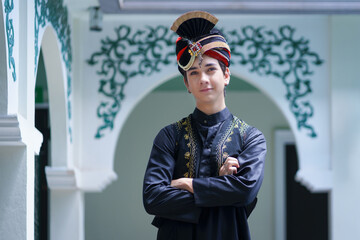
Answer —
304 66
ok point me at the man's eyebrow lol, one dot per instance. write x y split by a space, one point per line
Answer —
207 65
192 68
210 64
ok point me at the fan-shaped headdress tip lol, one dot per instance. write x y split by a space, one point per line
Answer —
197 36
191 15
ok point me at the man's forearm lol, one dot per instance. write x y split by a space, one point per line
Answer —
183 183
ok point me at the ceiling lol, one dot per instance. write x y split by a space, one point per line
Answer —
230 6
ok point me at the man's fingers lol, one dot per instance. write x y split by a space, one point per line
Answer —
229 167
231 158
233 170
232 162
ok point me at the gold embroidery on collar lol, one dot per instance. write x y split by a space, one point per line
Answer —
191 144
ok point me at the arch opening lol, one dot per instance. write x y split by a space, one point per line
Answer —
42 160
58 162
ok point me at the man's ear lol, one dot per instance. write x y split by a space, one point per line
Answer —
227 76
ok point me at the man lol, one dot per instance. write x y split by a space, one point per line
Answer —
205 170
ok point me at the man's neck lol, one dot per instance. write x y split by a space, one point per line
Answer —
211 109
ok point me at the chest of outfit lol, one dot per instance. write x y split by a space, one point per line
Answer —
202 149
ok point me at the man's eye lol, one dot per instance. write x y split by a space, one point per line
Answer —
211 69
193 73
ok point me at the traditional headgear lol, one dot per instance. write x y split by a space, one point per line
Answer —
198 36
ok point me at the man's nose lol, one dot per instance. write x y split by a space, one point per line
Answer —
204 78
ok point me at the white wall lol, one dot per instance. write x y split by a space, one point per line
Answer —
13 179
3 66
345 127
118 213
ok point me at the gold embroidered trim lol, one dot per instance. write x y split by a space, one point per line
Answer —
241 125
193 147
190 140
193 14
221 155
226 138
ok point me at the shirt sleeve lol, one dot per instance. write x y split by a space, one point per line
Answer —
239 189
159 197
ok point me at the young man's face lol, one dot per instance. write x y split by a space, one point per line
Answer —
206 81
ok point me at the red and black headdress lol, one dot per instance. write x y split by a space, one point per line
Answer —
198 36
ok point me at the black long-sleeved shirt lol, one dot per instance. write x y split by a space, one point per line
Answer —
196 147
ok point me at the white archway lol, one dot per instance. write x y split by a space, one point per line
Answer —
3 67
311 130
57 97
66 200
313 153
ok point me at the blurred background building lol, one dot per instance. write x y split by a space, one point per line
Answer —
86 85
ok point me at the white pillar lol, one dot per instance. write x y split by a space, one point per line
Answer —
66 204
19 142
67 215
13 191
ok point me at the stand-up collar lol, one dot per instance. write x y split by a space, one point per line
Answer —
210 120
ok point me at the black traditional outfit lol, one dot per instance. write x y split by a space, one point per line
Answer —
196 147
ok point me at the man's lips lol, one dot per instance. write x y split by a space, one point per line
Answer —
205 89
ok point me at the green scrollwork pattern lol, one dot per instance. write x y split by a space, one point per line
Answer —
8 7
283 56
266 52
130 54
54 12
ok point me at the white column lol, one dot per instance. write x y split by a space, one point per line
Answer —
67 215
13 191
19 142
66 204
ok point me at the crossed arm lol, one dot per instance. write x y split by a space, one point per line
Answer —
229 167
182 199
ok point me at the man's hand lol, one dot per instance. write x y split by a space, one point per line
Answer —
183 183
229 167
